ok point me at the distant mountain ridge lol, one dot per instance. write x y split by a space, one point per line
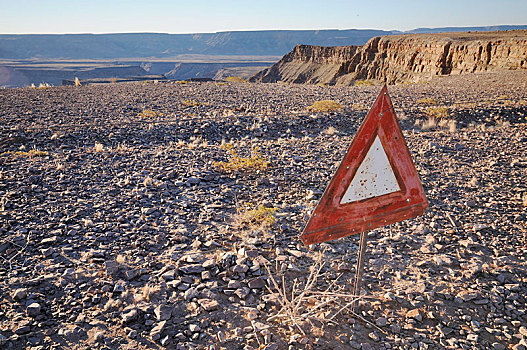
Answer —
105 46
158 45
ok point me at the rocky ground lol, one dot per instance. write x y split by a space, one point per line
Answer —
119 230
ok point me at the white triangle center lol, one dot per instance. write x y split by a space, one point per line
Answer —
374 177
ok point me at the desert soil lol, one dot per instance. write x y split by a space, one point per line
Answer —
118 230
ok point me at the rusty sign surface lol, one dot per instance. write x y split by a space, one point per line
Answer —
376 183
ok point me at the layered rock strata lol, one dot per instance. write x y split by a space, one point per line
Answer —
401 58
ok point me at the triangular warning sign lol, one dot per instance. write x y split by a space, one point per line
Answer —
376 183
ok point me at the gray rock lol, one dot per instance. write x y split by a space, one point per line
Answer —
208 304
240 268
444 260
22 329
165 341
366 346
129 316
194 328
190 294
163 312
155 333
381 321
243 292
33 309
169 275
3 340
48 251
498 346
191 269
19 293
256 283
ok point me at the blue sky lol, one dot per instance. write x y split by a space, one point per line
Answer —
202 16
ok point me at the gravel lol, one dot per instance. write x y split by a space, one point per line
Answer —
133 244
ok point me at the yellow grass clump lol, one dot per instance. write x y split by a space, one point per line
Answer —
253 163
325 106
437 112
192 103
30 153
147 113
235 80
256 216
364 83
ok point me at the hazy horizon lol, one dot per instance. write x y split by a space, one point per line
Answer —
177 17
264 30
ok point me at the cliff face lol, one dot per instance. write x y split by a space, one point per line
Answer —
401 58
309 64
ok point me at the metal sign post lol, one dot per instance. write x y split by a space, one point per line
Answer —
361 258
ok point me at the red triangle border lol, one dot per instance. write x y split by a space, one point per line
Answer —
331 220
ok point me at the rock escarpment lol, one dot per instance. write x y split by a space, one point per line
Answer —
401 58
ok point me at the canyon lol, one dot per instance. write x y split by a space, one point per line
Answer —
401 58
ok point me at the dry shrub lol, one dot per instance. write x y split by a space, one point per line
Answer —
325 106
305 300
99 147
253 163
181 82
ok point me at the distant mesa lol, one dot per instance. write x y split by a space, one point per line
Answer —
401 58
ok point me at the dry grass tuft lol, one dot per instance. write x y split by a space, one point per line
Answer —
427 101
429 124
77 82
235 80
365 83
147 113
98 148
330 131
30 153
192 103
448 124
255 216
41 86
120 259
148 181
149 292
437 112
255 162
325 106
